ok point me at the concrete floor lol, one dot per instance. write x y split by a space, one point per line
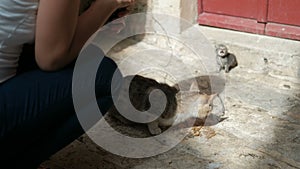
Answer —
262 99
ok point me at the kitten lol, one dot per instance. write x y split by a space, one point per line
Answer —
139 90
225 60
194 106
200 94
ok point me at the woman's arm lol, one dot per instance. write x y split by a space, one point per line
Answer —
61 33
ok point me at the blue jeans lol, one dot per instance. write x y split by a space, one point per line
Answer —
37 117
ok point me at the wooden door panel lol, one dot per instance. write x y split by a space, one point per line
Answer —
284 11
280 18
240 8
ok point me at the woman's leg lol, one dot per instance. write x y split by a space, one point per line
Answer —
36 106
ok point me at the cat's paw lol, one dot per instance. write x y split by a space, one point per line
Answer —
219 69
226 69
155 131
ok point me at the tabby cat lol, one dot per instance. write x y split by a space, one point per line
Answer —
139 89
181 105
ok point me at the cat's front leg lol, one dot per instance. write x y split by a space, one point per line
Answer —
220 68
154 127
226 68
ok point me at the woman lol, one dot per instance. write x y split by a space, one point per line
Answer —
37 117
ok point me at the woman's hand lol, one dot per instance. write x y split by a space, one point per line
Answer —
116 22
123 3
114 4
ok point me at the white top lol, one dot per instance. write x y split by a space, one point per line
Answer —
17 27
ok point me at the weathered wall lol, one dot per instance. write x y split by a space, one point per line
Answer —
185 9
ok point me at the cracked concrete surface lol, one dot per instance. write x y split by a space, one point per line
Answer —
262 99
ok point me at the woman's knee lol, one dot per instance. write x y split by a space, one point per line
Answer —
109 78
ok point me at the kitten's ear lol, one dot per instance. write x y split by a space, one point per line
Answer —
194 86
216 48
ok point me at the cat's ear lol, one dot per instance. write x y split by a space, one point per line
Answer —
176 88
212 97
194 86
149 90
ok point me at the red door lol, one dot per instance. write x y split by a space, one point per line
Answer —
272 17
284 19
